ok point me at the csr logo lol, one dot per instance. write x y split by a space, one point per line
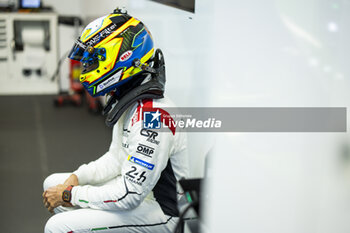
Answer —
151 135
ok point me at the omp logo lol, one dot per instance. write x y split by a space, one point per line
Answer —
145 150
125 56
140 162
110 81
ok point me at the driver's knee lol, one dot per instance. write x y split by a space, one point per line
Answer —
50 181
55 179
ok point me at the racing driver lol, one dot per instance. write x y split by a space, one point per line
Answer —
133 186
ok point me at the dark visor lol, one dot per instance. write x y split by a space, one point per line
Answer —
77 51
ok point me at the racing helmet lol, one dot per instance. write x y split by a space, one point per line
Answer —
113 49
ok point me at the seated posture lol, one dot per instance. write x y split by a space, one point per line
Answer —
133 186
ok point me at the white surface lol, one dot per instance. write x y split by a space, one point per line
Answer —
280 53
103 7
33 36
66 7
33 43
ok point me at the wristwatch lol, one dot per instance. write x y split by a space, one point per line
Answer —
67 194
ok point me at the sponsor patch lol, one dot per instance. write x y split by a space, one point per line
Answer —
125 56
145 150
140 162
110 81
151 135
135 176
103 34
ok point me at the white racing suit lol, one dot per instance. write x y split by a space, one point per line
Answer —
132 187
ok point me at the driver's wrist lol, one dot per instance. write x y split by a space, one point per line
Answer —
67 194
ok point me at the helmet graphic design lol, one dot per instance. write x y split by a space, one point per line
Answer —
112 50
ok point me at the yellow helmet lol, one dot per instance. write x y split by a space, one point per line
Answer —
112 50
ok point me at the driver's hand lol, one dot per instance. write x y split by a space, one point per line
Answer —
52 197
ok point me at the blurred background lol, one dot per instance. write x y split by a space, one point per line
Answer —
222 53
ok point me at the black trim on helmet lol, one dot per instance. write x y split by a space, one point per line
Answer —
90 67
120 19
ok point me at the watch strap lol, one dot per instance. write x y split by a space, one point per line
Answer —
67 194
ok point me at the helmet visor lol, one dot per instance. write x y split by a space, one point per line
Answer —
77 52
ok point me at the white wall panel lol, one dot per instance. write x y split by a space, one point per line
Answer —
282 54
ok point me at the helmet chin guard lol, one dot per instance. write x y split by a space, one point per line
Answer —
152 87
